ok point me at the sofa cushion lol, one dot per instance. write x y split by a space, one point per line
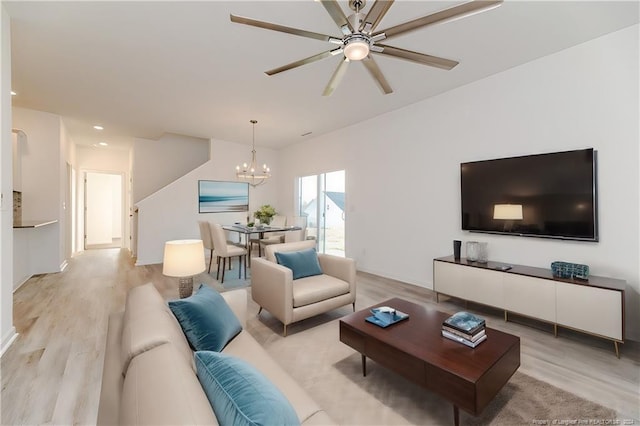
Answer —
147 323
206 319
160 389
303 263
317 288
239 394
246 348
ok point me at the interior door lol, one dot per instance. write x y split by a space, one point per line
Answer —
103 207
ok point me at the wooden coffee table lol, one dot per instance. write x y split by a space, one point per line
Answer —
415 349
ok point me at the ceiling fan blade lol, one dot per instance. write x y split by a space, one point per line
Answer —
336 77
375 15
281 28
375 72
337 15
456 12
421 58
304 61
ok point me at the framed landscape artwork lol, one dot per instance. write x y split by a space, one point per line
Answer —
218 196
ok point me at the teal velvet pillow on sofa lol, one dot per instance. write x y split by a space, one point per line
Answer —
239 394
206 319
303 263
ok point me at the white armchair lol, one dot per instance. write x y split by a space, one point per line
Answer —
274 289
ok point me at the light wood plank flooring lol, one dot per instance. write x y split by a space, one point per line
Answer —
52 373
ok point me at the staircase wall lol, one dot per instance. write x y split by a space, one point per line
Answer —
157 163
172 212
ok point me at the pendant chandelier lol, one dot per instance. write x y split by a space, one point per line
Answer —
249 172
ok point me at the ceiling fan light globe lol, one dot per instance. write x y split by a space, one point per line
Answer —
356 50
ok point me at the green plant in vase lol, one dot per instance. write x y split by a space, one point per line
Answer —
264 214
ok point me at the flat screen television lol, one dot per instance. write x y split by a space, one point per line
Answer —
217 196
549 195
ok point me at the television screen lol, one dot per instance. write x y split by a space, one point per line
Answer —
546 195
217 196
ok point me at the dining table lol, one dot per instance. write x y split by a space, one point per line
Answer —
261 230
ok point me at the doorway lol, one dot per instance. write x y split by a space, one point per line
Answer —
321 199
103 210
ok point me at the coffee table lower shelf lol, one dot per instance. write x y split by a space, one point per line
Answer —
414 348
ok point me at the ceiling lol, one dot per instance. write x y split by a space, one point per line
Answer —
142 69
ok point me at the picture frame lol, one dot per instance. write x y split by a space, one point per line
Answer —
216 196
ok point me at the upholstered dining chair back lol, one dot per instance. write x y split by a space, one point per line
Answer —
205 234
226 251
207 240
278 221
219 237
293 236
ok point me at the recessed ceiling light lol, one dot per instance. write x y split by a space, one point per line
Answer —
98 127
103 143
13 93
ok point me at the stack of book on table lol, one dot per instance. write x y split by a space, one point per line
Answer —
465 328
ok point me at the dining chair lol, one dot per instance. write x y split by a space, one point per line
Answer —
278 221
301 235
226 251
207 240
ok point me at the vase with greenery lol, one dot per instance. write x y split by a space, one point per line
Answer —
264 214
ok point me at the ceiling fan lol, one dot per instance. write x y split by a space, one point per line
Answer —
359 37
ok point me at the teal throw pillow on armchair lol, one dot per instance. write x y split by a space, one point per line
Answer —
303 263
239 394
206 319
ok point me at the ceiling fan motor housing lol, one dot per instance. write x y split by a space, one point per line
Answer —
356 20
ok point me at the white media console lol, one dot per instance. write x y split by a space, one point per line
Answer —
595 306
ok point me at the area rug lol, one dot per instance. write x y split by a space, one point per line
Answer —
331 373
231 280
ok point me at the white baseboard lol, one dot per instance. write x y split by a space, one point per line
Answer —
8 340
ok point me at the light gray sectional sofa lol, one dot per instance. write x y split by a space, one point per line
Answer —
149 373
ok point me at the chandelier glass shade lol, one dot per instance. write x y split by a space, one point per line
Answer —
250 173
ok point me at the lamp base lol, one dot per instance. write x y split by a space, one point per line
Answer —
185 287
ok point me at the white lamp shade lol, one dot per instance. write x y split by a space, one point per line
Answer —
183 258
507 211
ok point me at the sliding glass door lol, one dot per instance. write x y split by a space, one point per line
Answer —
321 200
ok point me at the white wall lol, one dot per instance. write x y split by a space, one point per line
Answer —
40 166
42 191
172 212
157 163
7 330
402 168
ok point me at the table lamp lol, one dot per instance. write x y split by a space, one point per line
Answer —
183 259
